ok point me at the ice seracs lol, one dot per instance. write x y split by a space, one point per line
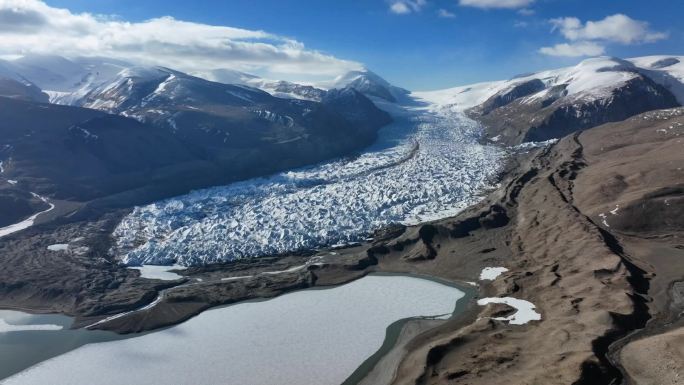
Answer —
429 164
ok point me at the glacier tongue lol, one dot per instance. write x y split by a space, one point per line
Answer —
426 165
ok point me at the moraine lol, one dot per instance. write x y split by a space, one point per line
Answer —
427 165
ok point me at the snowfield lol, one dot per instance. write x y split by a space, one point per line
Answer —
427 165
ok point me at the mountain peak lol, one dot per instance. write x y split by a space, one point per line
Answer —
370 84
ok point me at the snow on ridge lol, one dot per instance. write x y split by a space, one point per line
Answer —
668 71
427 165
591 79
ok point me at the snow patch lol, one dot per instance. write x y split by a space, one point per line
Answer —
491 273
524 310
163 273
59 247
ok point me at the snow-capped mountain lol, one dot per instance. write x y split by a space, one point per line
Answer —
206 113
277 88
364 81
214 115
229 76
215 133
371 85
65 80
551 104
284 89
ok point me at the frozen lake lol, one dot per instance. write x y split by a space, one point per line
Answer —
427 165
27 339
316 336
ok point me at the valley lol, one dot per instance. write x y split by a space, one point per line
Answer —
554 208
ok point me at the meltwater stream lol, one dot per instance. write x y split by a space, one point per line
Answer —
428 164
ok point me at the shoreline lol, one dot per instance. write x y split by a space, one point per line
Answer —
397 336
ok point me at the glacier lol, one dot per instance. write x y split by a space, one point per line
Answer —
429 164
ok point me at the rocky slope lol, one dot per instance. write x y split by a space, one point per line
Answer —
78 154
580 246
10 88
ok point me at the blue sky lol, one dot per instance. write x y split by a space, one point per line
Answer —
419 49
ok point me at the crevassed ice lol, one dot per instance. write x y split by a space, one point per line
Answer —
426 165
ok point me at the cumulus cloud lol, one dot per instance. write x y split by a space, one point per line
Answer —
574 49
486 4
445 13
617 28
31 26
590 38
403 7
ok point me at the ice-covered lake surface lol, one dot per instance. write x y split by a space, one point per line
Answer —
427 165
27 339
316 336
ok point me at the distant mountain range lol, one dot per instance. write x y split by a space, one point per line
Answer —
552 104
128 134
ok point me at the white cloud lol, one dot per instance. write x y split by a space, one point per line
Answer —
582 48
526 12
445 13
400 8
486 4
403 7
31 26
617 28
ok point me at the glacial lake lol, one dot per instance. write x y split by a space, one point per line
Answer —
314 336
27 339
